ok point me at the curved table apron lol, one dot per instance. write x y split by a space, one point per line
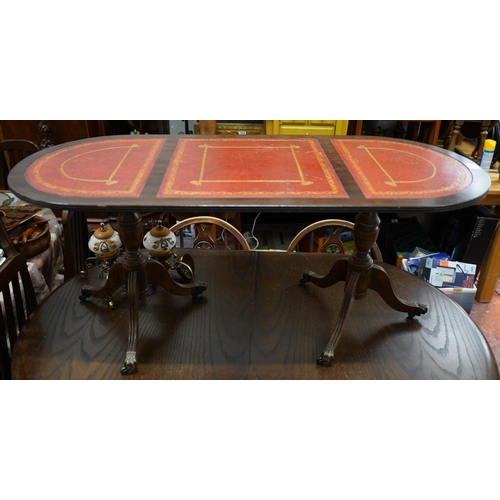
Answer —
254 322
364 174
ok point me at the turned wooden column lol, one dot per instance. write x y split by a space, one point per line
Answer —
130 229
366 232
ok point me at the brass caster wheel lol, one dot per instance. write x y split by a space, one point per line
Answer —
84 295
321 361
130 365
199 289
421 309
306 278
326 358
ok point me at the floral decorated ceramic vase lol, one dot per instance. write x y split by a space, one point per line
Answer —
105 242
159 241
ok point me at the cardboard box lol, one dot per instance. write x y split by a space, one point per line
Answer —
412 264
462 296
447 273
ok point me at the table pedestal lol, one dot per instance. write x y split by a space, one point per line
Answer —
360 274
136 273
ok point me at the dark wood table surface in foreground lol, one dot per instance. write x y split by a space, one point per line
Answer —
254 322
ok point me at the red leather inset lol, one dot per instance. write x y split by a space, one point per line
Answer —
246 167
401 170
112 167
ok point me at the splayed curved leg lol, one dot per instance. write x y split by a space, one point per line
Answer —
360 274
381 283
159 275
349 294
117 277
136 273
130 365
337 273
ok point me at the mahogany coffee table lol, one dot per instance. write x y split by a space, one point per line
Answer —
259 173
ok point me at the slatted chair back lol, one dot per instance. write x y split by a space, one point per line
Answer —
6 244
12 151
17 300
326 236
210 233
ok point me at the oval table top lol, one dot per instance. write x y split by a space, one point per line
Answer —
214 173
254 321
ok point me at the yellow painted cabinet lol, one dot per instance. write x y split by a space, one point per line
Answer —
306 127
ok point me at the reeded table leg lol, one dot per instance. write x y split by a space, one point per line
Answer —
359 273
136 273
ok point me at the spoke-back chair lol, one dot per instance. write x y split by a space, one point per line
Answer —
17 299
12 151
329 235
210 233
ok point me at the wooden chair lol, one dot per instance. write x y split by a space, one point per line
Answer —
12 151
17 297
5 242
234 218
206 237
325 236
470 129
